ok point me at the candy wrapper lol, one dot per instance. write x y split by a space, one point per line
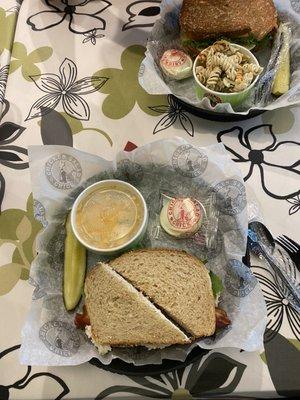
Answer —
172 167
166 35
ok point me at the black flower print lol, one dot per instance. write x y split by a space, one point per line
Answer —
66 89
3 80
295 207
92 36
21 384
277 298
11 156
142 14
265 156
82 15
172 113
217 374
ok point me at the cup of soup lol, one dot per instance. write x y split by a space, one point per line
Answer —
109 216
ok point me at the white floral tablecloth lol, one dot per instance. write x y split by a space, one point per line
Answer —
69 75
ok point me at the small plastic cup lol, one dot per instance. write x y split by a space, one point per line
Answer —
104 185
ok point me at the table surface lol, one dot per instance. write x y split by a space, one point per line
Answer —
53 93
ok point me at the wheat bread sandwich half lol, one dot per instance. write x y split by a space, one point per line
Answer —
120 315
249 23
177 282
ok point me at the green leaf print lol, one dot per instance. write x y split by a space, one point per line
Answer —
27 62
9 276
7 29
23 230
76 126
20 228
123 88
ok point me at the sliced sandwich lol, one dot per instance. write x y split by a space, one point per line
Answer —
176 282
249 23
153 298
119 315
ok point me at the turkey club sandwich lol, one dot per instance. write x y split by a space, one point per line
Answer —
249 23
153 298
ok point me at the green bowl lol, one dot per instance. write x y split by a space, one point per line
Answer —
234 99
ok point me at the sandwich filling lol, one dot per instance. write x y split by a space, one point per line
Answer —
247 41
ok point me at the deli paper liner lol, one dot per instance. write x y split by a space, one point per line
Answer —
60 173
165 35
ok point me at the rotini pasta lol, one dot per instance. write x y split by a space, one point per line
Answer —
201 74
211 59
203 55
231 73
248 78
238 87
228 66
228 83
202 58
224 61
239 75
219 86
236 58
213 78
222 67
255 69
221 46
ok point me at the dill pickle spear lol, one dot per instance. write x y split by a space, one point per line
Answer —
281 82
74 268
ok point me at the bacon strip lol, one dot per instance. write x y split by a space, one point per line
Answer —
222 319
82 320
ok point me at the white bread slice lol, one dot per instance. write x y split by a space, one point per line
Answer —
177 282
121 316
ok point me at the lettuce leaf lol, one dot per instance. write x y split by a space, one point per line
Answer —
247 41
216 283
137 246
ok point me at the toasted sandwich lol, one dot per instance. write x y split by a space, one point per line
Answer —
249 23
